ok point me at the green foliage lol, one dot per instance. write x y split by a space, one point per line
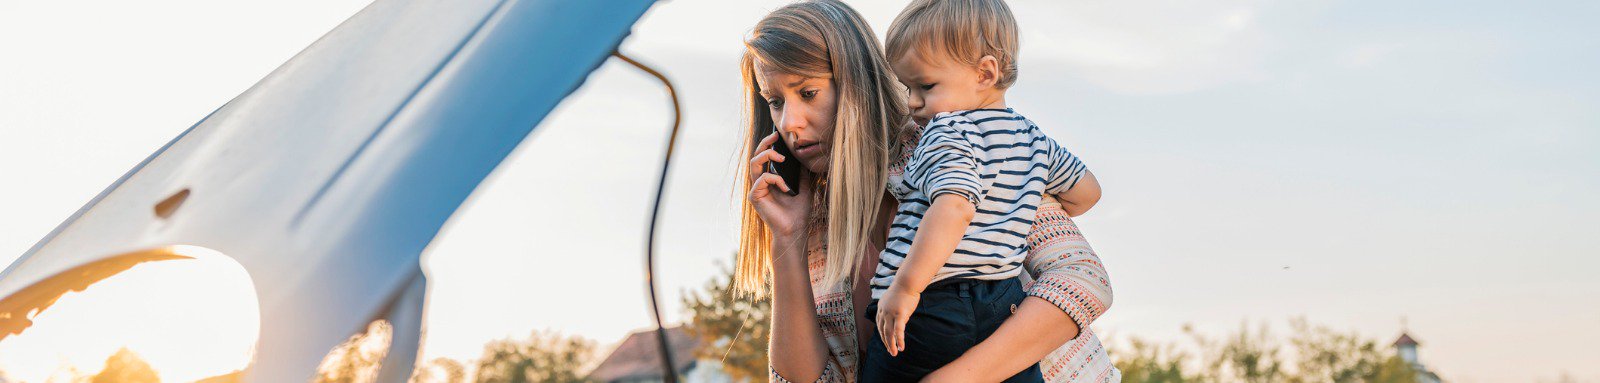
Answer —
545 356
1144 361
1245 356
1329 356
731 328
1315 354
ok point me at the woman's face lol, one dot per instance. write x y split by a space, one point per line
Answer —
803 109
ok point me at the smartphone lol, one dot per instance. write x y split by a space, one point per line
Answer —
789 169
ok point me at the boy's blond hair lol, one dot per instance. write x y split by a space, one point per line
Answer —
959 30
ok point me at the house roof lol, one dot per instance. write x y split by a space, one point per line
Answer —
1405 340
639 356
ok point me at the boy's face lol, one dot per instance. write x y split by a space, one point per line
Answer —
939 85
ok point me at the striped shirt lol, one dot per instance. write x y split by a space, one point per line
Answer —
996 159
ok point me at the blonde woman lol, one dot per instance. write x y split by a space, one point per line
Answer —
816 80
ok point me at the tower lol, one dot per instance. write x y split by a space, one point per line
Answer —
1407 349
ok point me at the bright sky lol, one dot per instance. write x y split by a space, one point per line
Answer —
1353 162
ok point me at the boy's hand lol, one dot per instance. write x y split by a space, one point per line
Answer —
893 311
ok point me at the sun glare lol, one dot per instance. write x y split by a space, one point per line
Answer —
183 319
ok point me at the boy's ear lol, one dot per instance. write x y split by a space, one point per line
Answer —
988 71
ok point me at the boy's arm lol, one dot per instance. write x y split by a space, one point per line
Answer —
1080 197
1069 180
946 168
941 231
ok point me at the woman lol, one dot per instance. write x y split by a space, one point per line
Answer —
814 72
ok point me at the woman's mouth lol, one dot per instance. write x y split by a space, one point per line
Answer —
808 150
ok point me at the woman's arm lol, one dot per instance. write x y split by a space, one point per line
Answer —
1070 292
797 350
801 334
1036 329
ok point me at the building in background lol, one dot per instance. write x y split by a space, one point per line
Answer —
1407 348
638 360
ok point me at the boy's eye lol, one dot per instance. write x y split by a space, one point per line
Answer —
927 86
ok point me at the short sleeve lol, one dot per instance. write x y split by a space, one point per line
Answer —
1065 169
945 162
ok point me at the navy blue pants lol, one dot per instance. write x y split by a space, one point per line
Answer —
953 315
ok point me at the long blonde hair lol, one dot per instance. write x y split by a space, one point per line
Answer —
815 39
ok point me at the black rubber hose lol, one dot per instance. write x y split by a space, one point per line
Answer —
668 373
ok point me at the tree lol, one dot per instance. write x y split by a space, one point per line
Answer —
546 356
1330 356
440 370
358 358
1318 355
1244 356
1150 362
731 327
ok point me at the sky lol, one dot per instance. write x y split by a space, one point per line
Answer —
1356 163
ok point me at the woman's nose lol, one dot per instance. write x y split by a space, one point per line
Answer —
793 121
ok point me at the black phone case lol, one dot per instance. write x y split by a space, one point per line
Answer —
789 169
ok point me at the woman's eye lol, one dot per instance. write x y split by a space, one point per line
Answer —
775 103
808 94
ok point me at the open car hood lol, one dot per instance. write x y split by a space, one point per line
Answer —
328 178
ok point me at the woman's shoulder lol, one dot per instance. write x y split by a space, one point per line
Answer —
904 142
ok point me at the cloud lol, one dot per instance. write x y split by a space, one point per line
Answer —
1367 55
1157 47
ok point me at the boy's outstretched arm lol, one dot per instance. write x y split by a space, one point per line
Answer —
1082 196
942 227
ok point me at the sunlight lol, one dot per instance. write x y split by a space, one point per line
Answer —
187 319
357 359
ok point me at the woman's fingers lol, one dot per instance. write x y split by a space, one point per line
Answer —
759 189
758 163
766 142
775 180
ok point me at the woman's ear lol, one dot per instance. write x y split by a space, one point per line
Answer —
988 71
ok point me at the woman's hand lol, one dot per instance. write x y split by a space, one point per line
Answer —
784 214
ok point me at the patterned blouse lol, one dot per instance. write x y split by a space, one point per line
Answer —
1061 269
